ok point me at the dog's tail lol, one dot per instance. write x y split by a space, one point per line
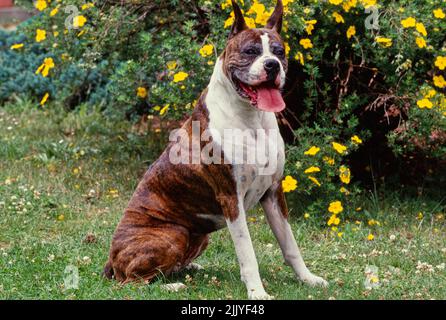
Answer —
108 271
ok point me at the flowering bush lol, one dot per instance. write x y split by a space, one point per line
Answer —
366 77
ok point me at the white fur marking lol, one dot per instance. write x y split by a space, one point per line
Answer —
249 269
265 45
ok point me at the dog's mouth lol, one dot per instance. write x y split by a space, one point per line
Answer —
265 96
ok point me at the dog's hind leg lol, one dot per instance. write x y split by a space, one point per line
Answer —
143 248
197 244
274 205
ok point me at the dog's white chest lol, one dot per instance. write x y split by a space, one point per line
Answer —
253 180
256 151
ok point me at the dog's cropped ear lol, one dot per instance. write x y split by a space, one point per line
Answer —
239 21
275 21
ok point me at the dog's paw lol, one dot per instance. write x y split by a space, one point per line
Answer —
259 295
174 287
314 281
194 266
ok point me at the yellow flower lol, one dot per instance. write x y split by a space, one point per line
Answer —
339 147
315 181
44 99
180 76
340 234
250 22
430 94
17 46
300 57
344 174
344 191
87 6
425 103
439 81
420 216
289 184
351 32
409 22
349 4
310 26
306 43
287 48
45 67
368 3
421 43
306 215
226 4
338 17
329 161
262 15
229 22
357 140
334 220
335 207
207 50
164 109
141 92
40 35
370 237
256 8
421 29
335 2
54 12
385 42
440 62
312 151
439 14
262 18
313 21
312 170
79 21
171 65
40 5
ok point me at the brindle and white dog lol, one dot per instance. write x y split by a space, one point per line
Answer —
175 207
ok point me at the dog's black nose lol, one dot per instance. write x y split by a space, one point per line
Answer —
271 65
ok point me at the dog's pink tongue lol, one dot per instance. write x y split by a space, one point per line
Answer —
270 99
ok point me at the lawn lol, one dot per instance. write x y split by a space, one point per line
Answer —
65 179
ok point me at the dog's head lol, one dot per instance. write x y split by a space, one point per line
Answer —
254 61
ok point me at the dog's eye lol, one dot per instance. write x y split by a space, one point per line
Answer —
251 51
279 52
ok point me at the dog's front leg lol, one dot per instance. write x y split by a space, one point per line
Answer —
274 205
249 269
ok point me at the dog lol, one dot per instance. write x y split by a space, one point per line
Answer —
177 205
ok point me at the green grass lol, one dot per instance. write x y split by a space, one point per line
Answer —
66 176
